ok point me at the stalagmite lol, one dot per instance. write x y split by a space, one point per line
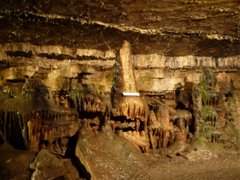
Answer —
131 105
58 89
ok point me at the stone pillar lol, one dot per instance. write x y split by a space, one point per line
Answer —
130 106
128 78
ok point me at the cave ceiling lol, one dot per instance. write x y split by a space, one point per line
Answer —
174 28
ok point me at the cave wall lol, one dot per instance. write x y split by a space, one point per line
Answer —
49 80
58 69
63 71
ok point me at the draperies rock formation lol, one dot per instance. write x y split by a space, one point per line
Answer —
47 113
64 75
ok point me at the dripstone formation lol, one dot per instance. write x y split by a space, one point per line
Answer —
105 97
37 114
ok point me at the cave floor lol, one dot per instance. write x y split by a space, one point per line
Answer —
14 164
226 166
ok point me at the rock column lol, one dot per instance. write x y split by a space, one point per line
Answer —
126 99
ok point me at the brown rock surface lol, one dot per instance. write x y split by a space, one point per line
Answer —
64 66
108 156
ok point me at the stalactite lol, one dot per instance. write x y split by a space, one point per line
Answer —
197 106
10 124
51 115
5 124
41 114
44 115
2 122
15 119
23 121
48 115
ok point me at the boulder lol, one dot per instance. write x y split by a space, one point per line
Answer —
47 166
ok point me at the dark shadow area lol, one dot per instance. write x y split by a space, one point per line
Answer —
70 153
19 53
11 125
55 56
1 138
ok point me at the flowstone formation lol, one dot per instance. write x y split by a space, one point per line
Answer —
64 112
129 108
107 90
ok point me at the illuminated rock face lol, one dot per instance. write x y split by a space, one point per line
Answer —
127 70
127 104
50 93
130 107
52 130
152 70
69 93
73 86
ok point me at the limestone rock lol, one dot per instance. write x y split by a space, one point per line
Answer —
108 156
47 166
130 107
200 155
52 52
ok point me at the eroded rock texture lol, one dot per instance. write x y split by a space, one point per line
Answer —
67 69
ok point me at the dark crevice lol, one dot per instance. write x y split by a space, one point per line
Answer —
12 125
87 115
180 105
82 58
1 138
55 56
15 80
4 64
27 54
70 153
102 68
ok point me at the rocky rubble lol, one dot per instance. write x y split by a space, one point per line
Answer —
200 155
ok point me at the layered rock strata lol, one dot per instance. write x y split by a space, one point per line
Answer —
64 74
87 83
